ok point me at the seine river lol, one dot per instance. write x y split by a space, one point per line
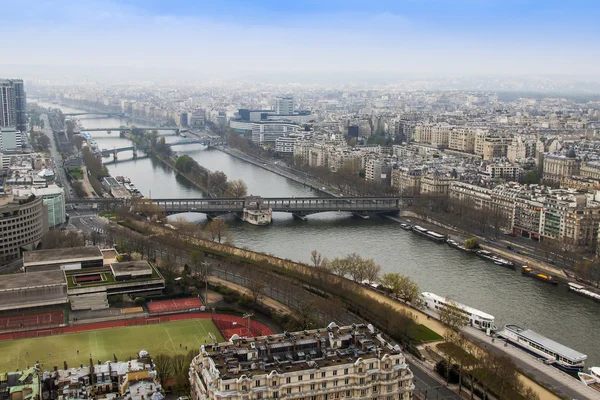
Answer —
511 298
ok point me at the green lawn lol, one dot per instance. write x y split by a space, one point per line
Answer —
423 335
124 342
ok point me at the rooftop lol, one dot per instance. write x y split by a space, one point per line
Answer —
41 257
289 352
32 279
131 268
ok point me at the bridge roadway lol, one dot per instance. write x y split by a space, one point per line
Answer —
299 206
128 128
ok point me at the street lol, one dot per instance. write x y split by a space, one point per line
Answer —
57 160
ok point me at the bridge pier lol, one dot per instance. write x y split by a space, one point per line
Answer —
300 217
115 155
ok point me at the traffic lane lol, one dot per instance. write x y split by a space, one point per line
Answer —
428 386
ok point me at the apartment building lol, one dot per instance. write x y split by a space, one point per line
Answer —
351 362
506 172
462 139
434 134
378 171
590 170
435 183
264 132
407 181
490 146
556 167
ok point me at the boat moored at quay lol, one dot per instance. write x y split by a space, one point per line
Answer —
488 255
431 235
592 379
528 271
457 245
477 319
406 227
553 353
581 290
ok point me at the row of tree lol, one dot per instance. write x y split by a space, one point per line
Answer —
214 183
367 271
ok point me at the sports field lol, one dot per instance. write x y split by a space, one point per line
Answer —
124 342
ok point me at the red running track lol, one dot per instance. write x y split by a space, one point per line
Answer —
174 305
224 322
40 319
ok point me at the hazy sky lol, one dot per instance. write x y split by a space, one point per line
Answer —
225 37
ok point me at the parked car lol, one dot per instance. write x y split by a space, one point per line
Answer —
509 247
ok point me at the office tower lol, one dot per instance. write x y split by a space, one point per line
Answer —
284 105
13 104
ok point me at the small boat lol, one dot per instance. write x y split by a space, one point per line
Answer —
406 227
504 263
538 275
581 290
553 353
495 259
592 379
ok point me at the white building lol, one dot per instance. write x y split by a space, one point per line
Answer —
269 131
284 105
333 363
11 140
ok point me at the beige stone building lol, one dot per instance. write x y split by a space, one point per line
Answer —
351 362
435 184
590 170
490 146
407 181
462 139
558 167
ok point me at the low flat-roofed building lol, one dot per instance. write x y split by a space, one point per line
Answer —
63 259
35 289
125 271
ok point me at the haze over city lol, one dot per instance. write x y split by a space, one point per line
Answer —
306 41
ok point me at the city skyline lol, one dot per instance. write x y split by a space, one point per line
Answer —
219 40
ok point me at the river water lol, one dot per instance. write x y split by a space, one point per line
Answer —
551 311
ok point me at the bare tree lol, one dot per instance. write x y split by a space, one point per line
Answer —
217 230
62 239
255 285
236 188
316 259
453 316
163 365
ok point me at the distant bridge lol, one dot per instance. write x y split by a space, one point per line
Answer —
104 114
108 152
298 206
129 128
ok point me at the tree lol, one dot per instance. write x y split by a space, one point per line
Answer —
255 285
452 315
181 368
316 259
78 142
217 183
217 230
62 239
168 269
163 365
472 243
236 188
401 286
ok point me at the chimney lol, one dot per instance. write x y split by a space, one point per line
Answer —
363 346
55 368
65 365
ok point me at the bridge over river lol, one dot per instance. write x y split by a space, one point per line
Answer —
298 206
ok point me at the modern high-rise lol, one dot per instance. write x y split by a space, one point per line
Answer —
13 104
284 105
352 362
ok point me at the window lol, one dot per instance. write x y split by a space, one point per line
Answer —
374 389
226 387
323 374
289 390
390 388
312 386
362 381
346 381
324 385
312 376
274 383
345 371
347 393
288 380
371 366
360 369
275 395
335 373
259 395
244 388
335 383
299 378
257 382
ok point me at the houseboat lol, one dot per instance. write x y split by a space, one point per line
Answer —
592 379
538 275
581 290
477 319
431 235
488 255
457 245
553 353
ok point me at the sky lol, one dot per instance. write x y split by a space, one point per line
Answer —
224 38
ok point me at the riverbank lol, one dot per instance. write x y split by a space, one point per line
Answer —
269 165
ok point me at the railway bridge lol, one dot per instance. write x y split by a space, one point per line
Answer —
300 207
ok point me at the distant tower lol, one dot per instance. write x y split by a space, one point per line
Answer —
13 104
284 105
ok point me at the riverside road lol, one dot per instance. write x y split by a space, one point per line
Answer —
552 311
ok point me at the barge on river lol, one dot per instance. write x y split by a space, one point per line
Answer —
528 271
477 319
431 235
457 245
553 353
488 255
581 290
